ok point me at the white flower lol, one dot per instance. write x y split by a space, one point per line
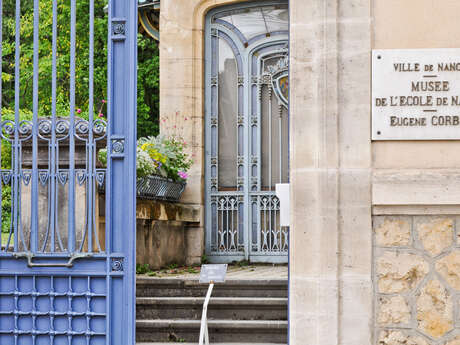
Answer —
145 164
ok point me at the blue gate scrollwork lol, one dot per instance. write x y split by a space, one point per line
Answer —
66 277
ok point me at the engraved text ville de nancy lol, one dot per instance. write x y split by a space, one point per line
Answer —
416 94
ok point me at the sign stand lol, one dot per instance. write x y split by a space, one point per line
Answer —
209 274
204 334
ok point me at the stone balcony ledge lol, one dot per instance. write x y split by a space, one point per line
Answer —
160 210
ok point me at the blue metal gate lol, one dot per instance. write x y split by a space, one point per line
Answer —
66 278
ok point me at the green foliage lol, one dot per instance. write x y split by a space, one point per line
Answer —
168 154
148 71
204 259
62 56
173 266
192 270
6 208
148 63
159 155
148 85
8 114
142 268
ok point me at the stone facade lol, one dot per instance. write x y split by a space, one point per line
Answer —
340 179
417 280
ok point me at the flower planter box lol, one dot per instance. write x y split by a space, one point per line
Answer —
157 187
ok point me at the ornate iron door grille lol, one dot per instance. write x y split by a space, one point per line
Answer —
65 277
246 131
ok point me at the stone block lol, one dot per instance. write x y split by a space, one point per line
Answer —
449 268
194 244
435 234
434 310
400 272
415 24
415 187
392 232
160 243
455 341
393 310
389 337
423 278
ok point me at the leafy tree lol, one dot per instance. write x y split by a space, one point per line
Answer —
148 77
148 62
148 69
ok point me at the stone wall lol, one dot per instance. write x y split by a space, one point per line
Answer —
417 279
340 179
415 200
165 233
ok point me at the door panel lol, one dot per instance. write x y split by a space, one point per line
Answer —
65 276
246 131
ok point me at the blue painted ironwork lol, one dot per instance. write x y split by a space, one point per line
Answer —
62 283
242 211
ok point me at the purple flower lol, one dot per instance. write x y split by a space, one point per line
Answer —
182 175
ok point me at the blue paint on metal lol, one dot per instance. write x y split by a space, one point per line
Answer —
58 287
244 223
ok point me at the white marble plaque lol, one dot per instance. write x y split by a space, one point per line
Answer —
416 94
213 273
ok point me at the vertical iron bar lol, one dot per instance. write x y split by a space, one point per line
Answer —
89 162
217 226
16 123
222 225
269 138
34 317
1 108
71 207
88 307
270 225
227 202
16 307
265 227
34 198
69 301
52 163
53 309
109 177
275 226
232 227
280 137
108 187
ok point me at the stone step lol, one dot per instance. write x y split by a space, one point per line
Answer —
219 331
230 308
171 287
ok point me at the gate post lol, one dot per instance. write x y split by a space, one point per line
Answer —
121 208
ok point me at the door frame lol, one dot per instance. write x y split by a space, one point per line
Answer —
246 67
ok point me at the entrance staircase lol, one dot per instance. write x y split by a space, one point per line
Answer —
241 311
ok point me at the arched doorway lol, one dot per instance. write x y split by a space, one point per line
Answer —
247 131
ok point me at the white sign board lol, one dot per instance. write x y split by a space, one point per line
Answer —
282 192
213 273
416 94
